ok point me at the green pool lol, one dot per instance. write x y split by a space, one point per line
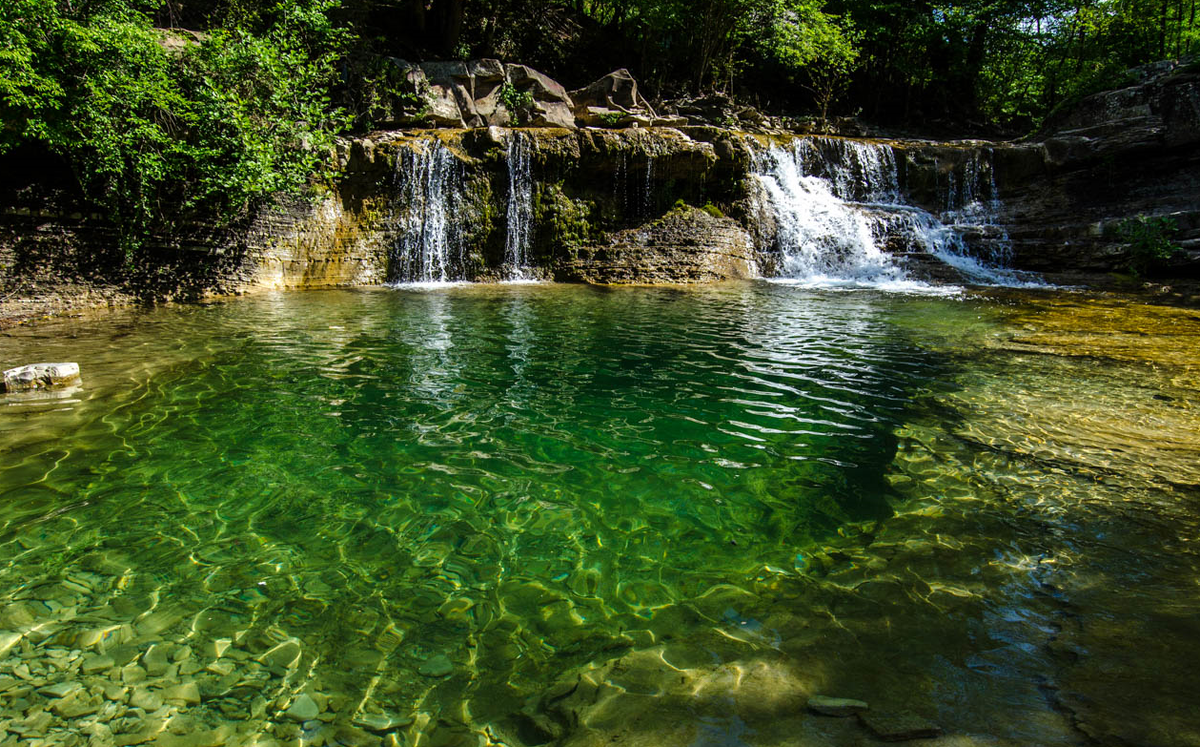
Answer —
537 514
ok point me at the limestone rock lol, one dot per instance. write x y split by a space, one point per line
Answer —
146 700
95 664
78 703
614 94
552 105
685 246
188 693
303 708
381 722
132 674
827 706
283 656
467 94
898 726
40 376
437 666
59 690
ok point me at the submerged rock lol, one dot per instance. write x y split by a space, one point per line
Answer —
303 708
40 376
898 726
827 706
438 666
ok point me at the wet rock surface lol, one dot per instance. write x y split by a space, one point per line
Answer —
686 246
40 376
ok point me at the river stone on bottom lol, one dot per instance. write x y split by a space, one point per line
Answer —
304 708
827 706
524 581
438 666
898 726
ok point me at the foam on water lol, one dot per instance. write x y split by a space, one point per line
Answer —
840 217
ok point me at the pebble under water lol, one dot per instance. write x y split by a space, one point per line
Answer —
538 514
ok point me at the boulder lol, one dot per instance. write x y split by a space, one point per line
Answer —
617 91
458 94
613 101
40 376
469 94
552 105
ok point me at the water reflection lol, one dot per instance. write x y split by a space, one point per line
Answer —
450 502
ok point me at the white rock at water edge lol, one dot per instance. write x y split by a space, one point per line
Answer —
40 376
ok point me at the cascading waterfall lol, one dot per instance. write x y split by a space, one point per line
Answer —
429 247
972 209
840 217
821 231
519 215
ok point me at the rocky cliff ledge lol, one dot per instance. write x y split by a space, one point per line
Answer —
1117 155
613 204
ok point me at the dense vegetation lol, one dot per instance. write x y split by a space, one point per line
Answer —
154 123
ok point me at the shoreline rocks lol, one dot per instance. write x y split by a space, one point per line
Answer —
40 376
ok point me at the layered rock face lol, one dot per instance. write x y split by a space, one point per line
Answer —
586 205
687 245
591 194
1117 155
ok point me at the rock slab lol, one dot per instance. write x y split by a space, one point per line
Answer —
40 376
841 707
898 726
438 666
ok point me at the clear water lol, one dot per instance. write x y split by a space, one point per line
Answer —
703 504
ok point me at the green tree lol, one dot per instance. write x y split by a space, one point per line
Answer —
150 123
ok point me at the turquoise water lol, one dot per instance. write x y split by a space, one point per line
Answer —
450 500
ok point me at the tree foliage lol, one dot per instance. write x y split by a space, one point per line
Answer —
154 125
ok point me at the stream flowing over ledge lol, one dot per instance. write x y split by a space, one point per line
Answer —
654 204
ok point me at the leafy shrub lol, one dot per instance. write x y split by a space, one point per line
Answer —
518 103
1148 242
382 94
611 119
153 131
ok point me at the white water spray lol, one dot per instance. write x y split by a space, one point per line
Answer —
840 217
519 215
428 248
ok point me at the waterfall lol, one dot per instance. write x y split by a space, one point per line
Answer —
428 247
520 208
972 209
840 217
822 232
